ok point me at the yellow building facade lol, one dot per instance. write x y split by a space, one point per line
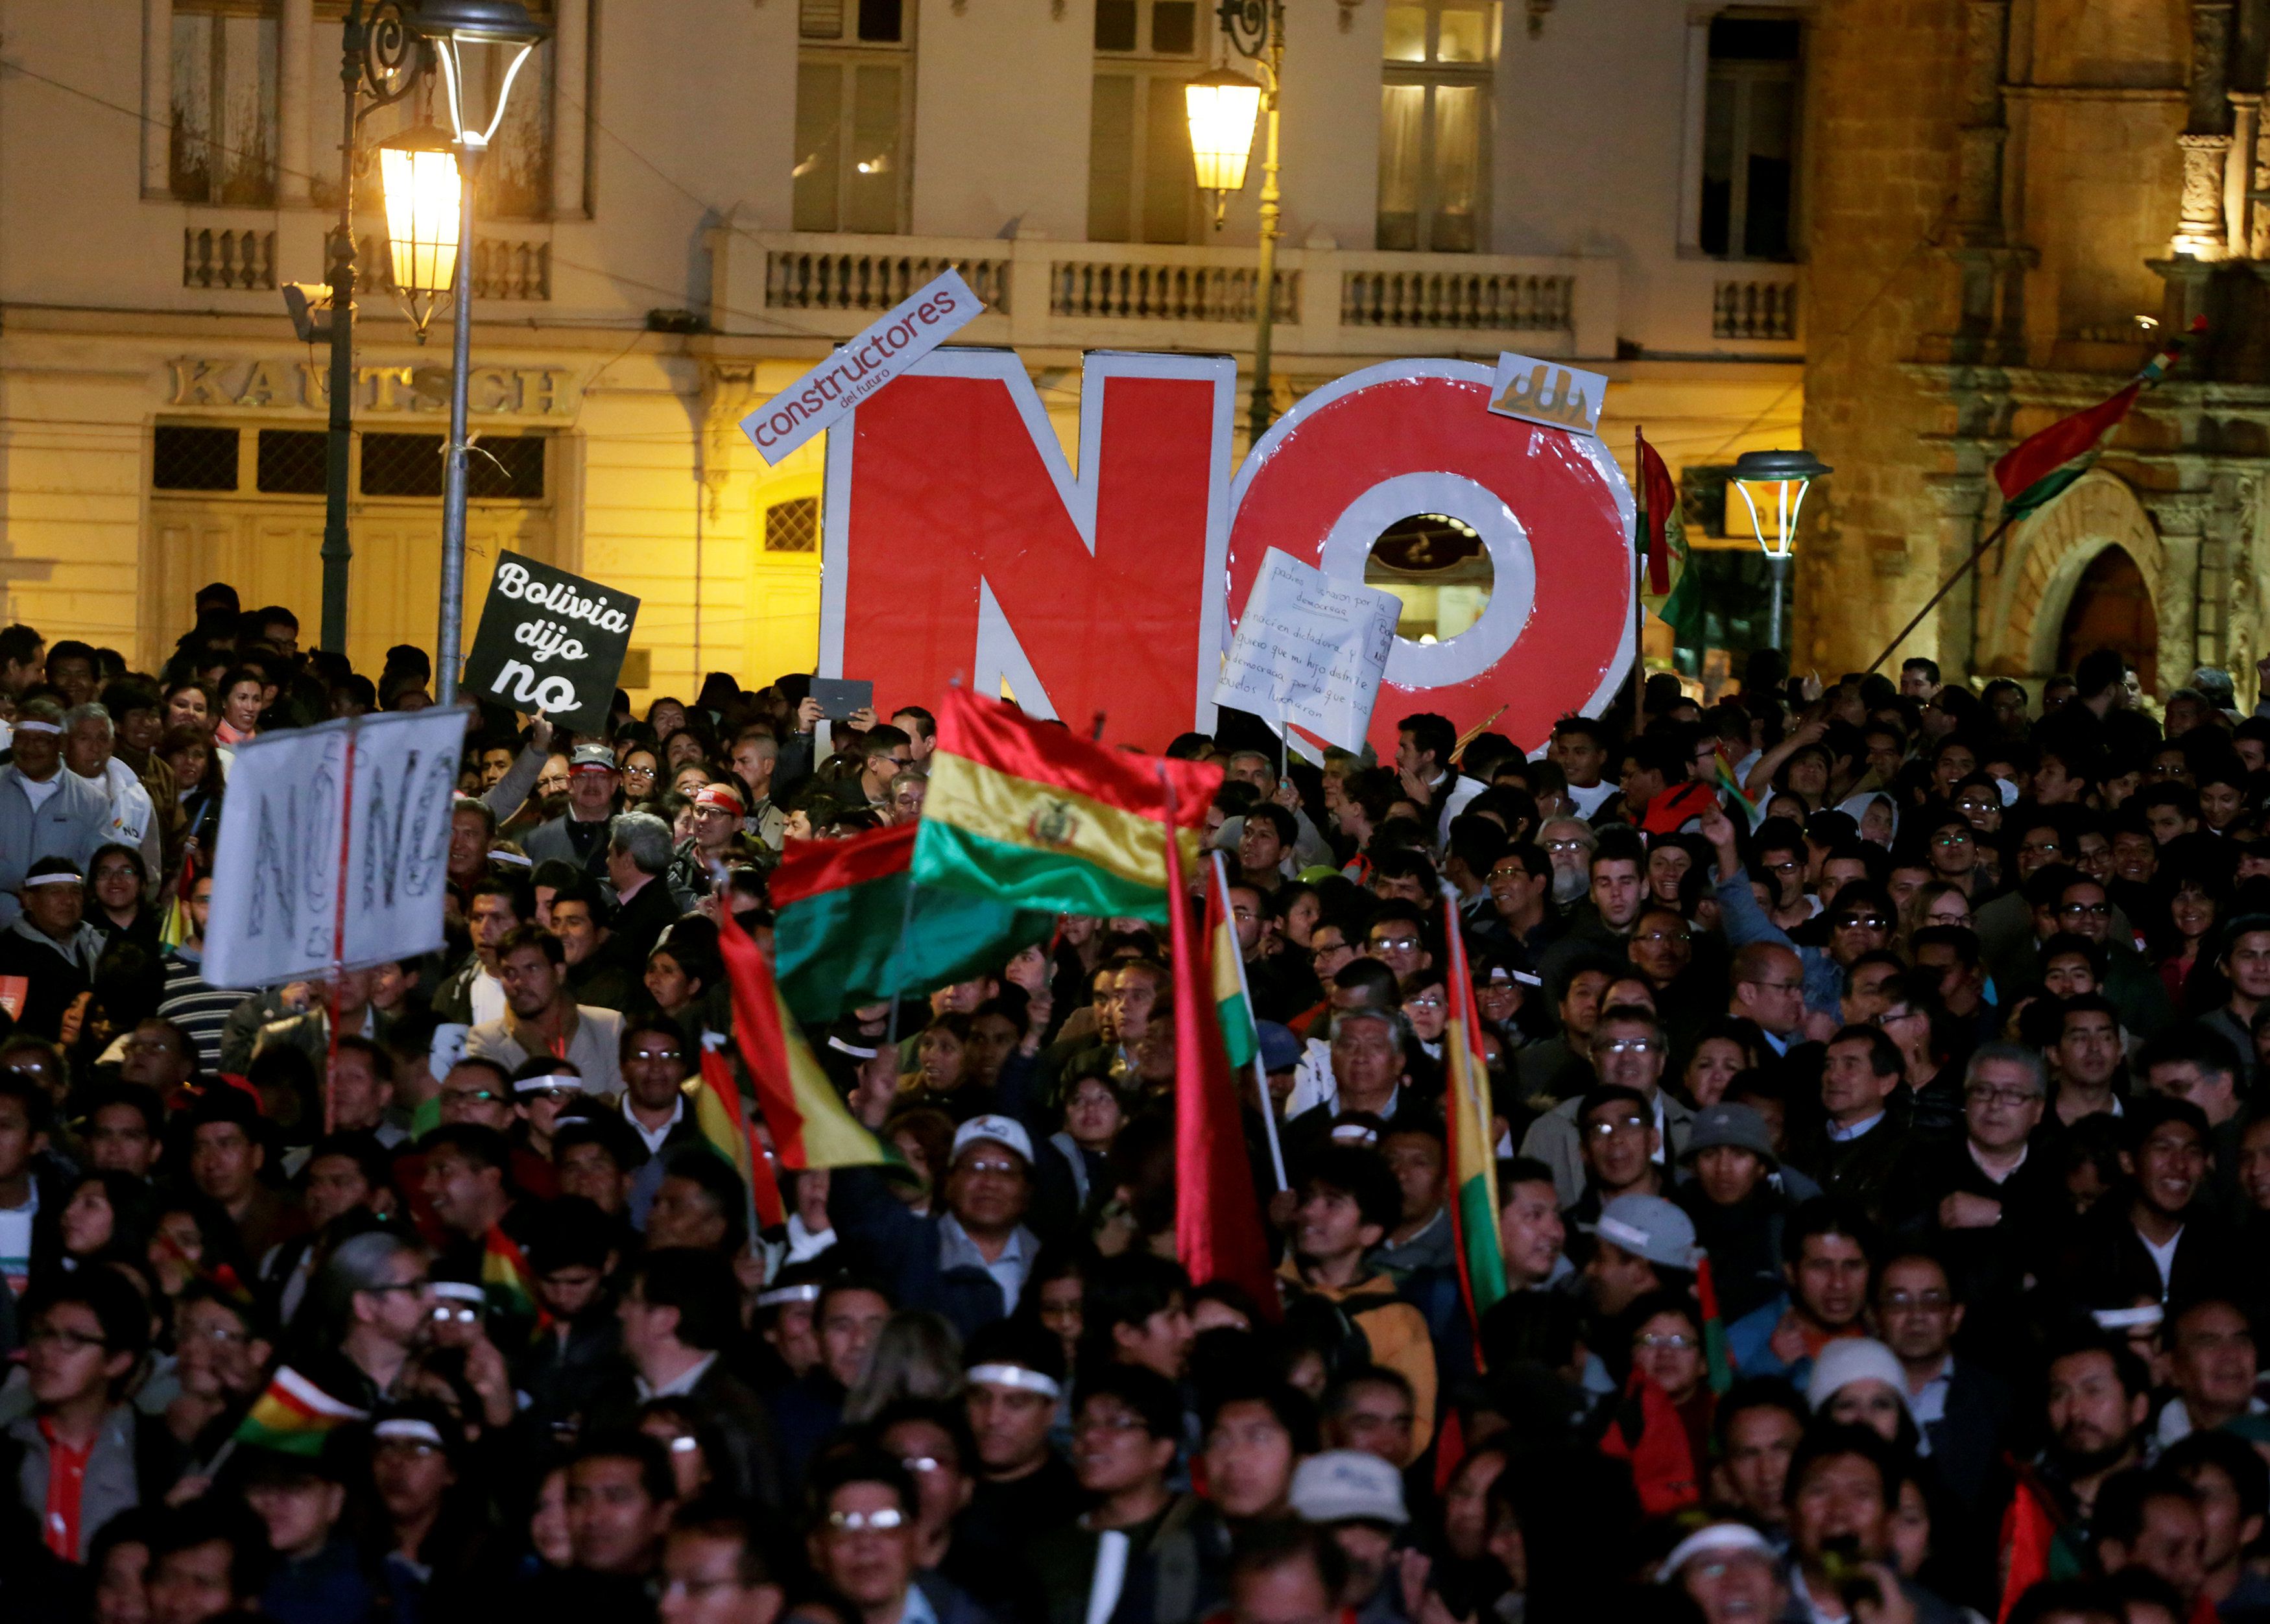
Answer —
691 204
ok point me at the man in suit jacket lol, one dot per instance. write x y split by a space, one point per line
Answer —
1963 1411
680 1308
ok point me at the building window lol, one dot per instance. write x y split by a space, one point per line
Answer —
224 104
1749 139
793 526
188 458
515 179
500 467
854 82
1434 125
1141 187
293 462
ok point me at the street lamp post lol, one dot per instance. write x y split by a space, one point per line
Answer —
379 64
1781 479
448 26
1221 106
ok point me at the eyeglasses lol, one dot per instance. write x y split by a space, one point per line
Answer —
471 1094
1395 944
1568 845
2008 1098
993 1164
1511 870
1674 1343
443 1314
920 1465
885 1521
1625 1046
1327 949
1666 936
69 1341
557 1096
1616 1124
420 1286
2088 910
1425 1001
1929 1302
1952 838
226 1336
1778 986
1864 921
1107 1423
656 1054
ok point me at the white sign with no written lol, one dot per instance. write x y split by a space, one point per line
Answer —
1310 649
910 331
277 902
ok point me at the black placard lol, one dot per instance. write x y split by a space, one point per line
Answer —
550 641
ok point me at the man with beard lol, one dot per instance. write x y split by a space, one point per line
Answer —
1569 843
2098 1394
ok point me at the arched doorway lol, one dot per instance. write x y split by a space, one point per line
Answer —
2112 608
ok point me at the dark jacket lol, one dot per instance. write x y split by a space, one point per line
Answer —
55 973
1967 1440
734 1408
905 1246
1177 1568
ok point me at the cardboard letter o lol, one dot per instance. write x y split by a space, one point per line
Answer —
1550 506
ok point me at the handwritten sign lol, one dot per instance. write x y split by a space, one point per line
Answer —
1310 649
911 329
1548 392
551 641
277 899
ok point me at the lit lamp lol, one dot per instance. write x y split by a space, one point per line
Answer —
448 26
1773 486
1224 106
418 172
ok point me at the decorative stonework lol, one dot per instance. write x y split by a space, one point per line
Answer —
2199 225
2026 606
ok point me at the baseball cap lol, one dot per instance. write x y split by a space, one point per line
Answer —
1001 1129
1730 1126
1650 1227
718 798
1718 1539
1280 1050
1348 1485
591 759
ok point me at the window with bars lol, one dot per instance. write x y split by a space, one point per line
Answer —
793 526
500 468
1141 187
1749 138
223 103
854 82
1434 125
291 462
187 457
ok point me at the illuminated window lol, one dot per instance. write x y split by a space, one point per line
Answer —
854 81
1434 124
1140 184
223 108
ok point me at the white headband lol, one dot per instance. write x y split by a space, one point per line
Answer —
532 1085
806 1293
1703 1541
1629 1236
856 1053
415 1431
2129 1319
1018 1377
37 727
54 879
1353 1133
459 1291
521 858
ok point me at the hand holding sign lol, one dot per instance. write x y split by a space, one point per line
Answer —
551 643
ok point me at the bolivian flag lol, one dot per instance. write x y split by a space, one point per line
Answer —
811 1125
2038 471
507 1280
1472 1145
1027 812
294 1416
716 1096
1231 1001
851 927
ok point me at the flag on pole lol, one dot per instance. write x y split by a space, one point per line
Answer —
1668 586
1031 814
846 932
1717 1358
294 1415
717 1113
1239 1040
1217 1212
2040 468
811 1125
177 927
507 1280
1472 1144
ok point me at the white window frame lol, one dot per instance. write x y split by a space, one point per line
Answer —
1147 66
846 55
1693 135
1433 76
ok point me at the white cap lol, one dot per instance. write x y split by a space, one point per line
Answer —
1348 1485
1005 1130
1854 1358
1719 1537
459 1291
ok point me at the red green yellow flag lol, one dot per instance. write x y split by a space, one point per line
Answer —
507 1280
1028 813
1231 1003
811 1125
1472 1144
727 1130
294 1415
1217 1214
2038 470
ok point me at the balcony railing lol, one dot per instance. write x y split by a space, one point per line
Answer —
504 268
1329 302
1764 310
216 257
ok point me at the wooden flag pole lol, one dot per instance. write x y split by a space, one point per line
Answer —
1947 586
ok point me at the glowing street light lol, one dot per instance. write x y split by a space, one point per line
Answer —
1779 479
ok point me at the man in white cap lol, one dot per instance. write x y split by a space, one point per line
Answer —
44 810
1641 1243
1728 1570
1358 1498
969 1262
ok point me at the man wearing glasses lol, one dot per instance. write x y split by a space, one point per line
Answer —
376 1293
1628 1050
2083 909
861 1542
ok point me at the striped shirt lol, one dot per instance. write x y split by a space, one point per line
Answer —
197 1008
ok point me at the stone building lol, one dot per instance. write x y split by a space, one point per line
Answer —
2014 201
692 200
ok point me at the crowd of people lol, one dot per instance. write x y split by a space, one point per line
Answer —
1871 1068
